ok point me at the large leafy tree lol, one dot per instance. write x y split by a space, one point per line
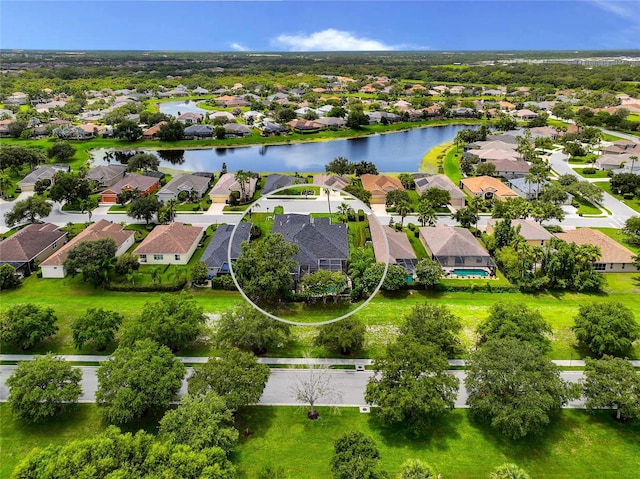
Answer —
25 325
356 456
8 277
323 284
415 469
143 162
395 279
344 336
93 259
144 208
246 328
138 379
430 323
236 376
173 321
466 217
516 321
612 383
127 130
118 455
200 422
42 388
631 229
171 131
61 151
606 328
29 210
263 268
429 272
514 387
395 197
96 327
339 165
412 384
15 157
69 187
509 471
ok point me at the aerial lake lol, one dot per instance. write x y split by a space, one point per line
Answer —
176 108
398 152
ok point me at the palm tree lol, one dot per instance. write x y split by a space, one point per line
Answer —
633 159
403 208
328 191
170 209
343 212
427 214
5 183
243 178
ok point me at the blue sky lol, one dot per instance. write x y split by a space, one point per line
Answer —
311 25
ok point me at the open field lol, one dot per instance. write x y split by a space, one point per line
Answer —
69 297
575 445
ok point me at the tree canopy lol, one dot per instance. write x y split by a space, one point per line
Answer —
200 422
236 376
138 379
263 268
356 456
344 336
246 328
42 388
173 321
612 383
412 384
606 328
30 210
515 321
25 325
93 259
429 323
514 387
96 327
144 208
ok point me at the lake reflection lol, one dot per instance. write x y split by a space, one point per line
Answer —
400 151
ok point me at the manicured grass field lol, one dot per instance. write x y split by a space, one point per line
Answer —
434 157
597 174
575 445
70 297
452 166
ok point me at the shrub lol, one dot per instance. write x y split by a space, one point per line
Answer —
589 171
224 282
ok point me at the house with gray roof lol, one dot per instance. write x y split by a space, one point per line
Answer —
275 181
457 250
236 130
107 175
42 172
442 182
216 255
31 245
198 131
400 250
188 183
322 245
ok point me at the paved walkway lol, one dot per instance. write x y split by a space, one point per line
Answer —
90 358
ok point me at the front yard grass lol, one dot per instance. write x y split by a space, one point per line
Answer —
606 186
452 166
576 444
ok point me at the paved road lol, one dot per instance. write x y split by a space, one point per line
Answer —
351 385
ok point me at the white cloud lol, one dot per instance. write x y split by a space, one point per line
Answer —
329 40
629 12
239 47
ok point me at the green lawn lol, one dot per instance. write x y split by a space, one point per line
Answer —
597 174
69 297
586 208
434 158
452 166
575 445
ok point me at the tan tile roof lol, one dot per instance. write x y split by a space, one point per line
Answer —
380 185
480 184
174 238
331 180
529 230
612 251
100 230
495 154
131 182
399 245
445 240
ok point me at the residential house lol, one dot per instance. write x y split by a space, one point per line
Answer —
276 181
174 243
190 118
30 246
199 91
383 116
53 267
305 126
106 175
456 249
614 258
423 183
228 183
236 130
526 114
333 181
151 133
188 183
533 233
400 249
525 189
42 172
145 184
216 255
487 188
16 98
379 186
332 122
321 244
622 146
227 115
198 132
491 154
510 169
611 161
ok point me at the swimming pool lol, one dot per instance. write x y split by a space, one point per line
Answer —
470 272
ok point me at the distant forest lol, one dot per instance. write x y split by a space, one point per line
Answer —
34 70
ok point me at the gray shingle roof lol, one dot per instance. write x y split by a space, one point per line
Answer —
275 181
216 254
29 242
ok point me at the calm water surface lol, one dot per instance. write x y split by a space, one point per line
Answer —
400 151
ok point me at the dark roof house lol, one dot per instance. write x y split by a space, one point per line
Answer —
33 243
216 256
275 181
